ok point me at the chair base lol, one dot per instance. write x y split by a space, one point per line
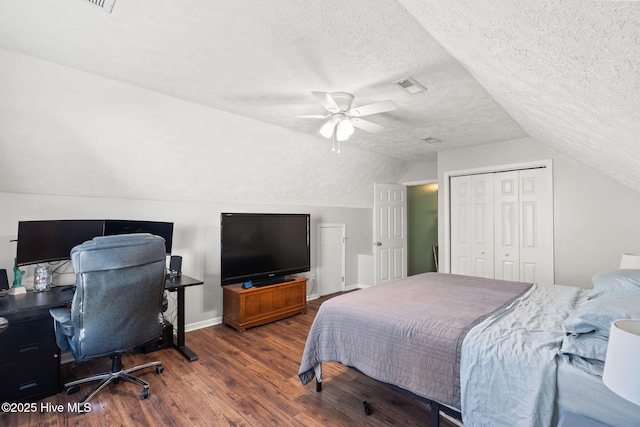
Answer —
117 373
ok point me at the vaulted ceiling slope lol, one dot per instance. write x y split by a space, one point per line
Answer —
565 72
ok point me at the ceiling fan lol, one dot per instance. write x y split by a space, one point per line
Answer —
343 118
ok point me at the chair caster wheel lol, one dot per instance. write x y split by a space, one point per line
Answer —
159 369
145 393
71 390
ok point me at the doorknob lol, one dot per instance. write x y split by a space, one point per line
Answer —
378 243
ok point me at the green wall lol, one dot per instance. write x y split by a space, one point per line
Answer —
422 227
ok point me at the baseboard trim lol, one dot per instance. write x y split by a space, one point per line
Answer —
203 324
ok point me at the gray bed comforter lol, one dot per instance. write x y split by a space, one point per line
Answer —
408 333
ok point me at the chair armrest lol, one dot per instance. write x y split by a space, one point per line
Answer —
62 316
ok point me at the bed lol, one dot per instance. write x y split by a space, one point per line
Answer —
494 353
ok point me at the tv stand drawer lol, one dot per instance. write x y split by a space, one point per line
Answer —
246 308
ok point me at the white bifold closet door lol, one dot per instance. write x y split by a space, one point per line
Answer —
501 226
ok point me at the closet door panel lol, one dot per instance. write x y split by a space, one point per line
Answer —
507 226
536 253
482 248
461 226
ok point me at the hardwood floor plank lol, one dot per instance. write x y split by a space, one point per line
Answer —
240 379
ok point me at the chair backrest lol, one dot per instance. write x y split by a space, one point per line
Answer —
117 304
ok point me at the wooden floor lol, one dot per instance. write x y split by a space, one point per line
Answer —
247 379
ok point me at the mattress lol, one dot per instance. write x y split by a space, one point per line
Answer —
585 394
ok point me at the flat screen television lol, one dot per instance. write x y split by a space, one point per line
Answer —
47 241
158 228
263 247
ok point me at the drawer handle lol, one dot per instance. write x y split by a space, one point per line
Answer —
29 347
27 386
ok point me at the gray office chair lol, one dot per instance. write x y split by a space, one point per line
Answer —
117 305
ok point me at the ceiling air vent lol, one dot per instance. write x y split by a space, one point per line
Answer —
106 5
430 140
410 85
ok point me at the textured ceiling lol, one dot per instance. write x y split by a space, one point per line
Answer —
263 59
567 71
563 72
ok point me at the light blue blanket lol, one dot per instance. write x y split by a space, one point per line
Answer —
508 362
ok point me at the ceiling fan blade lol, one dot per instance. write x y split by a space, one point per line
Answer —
375 108
313 116
366 125
326 101
327 129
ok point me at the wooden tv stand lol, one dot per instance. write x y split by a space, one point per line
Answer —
245 308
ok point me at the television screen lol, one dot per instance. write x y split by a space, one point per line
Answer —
162 229
263 246
46 241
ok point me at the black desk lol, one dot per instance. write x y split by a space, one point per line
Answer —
24 305
178 284
29 356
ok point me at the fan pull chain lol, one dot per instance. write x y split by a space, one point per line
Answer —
333 139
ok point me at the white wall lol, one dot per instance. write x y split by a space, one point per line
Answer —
595 218
421 172
196 236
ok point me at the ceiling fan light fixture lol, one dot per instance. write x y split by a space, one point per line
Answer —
343 100
344 130
327 129
342 119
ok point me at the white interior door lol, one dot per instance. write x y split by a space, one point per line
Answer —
331 262
461 226
483 226
536 248
472 225
389 232
507 228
